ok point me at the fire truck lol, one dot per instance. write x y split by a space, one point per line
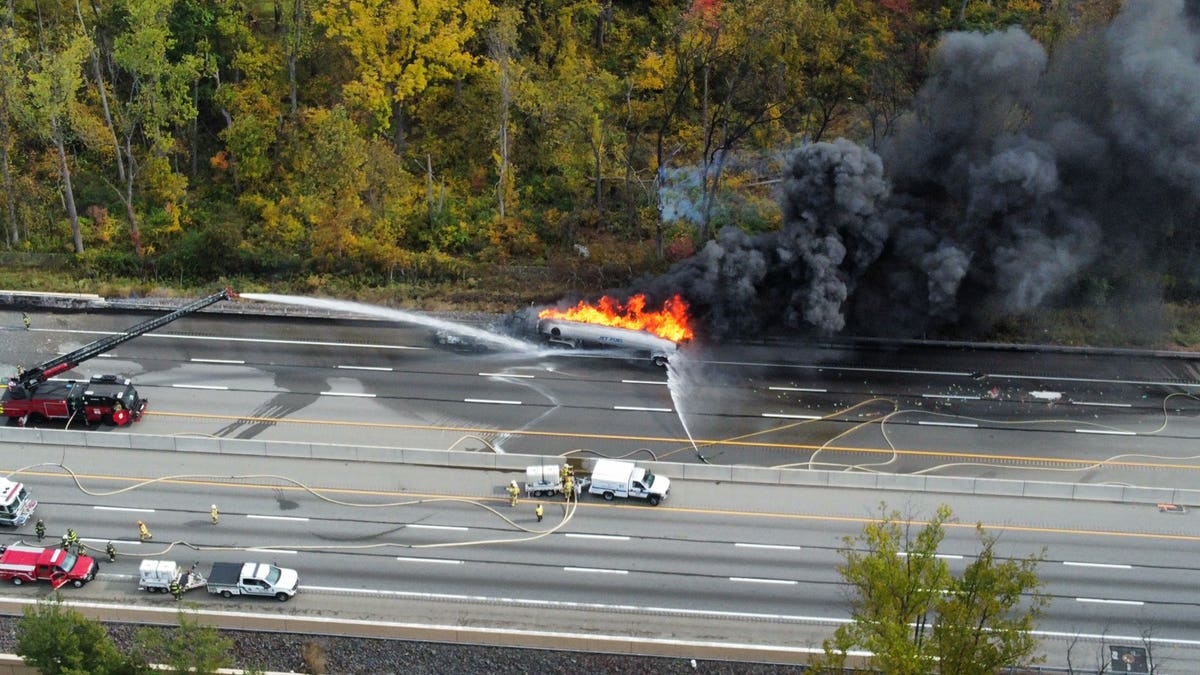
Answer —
32 397
16 506
20 563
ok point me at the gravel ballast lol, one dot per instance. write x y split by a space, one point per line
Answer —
283 652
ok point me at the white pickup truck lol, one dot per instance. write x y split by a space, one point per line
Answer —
613 478
226 579
230 579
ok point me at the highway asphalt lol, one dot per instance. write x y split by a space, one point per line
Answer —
724 562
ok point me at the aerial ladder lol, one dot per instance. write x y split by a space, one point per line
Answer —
39 374
105 397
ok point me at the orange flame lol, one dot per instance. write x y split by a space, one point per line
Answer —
671 322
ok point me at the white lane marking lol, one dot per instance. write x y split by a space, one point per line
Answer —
295 518
777 547
654 382
456 528
492 401
966 425
307 343
523 377
597 570
384 369
813 391
114 577
1105 432
347 393
201 386
1110 602
849 369
636 408
231 362
268 549
107 356
122 508
785 416
1105 405
944 556
1110 566
953 396
610 537
1100 380
754 580
430 560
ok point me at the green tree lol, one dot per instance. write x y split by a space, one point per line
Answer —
154 97
56 640
190 647
11 46
981 620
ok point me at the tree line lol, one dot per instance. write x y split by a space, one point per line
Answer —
199 138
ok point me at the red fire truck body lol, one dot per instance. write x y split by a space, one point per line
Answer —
21 564
32 396
105 398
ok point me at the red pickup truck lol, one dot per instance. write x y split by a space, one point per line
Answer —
22 563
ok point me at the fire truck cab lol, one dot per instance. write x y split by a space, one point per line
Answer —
20 563
16 506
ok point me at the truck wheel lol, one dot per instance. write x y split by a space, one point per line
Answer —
226 594
653 499
608 496
282 597
17 581
77 583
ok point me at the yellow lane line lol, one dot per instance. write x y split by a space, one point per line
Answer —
685 442
858 520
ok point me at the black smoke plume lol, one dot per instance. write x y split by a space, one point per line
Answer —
1014 178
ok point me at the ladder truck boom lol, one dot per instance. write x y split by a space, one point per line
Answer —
32 397
38 374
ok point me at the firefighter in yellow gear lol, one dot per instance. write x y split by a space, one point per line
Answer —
539 512
216 515
25 318
111 551
143 531
513 493
569 488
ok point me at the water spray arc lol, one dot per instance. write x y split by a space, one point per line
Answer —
501 341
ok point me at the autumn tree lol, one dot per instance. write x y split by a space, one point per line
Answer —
914 616
153 99
399 48
11 47
49 95
565 98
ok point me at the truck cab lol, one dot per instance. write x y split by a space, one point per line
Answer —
261 579
16 506
20 564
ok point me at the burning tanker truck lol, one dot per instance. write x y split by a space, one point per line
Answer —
610 324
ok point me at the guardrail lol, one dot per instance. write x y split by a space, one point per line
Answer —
697 472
